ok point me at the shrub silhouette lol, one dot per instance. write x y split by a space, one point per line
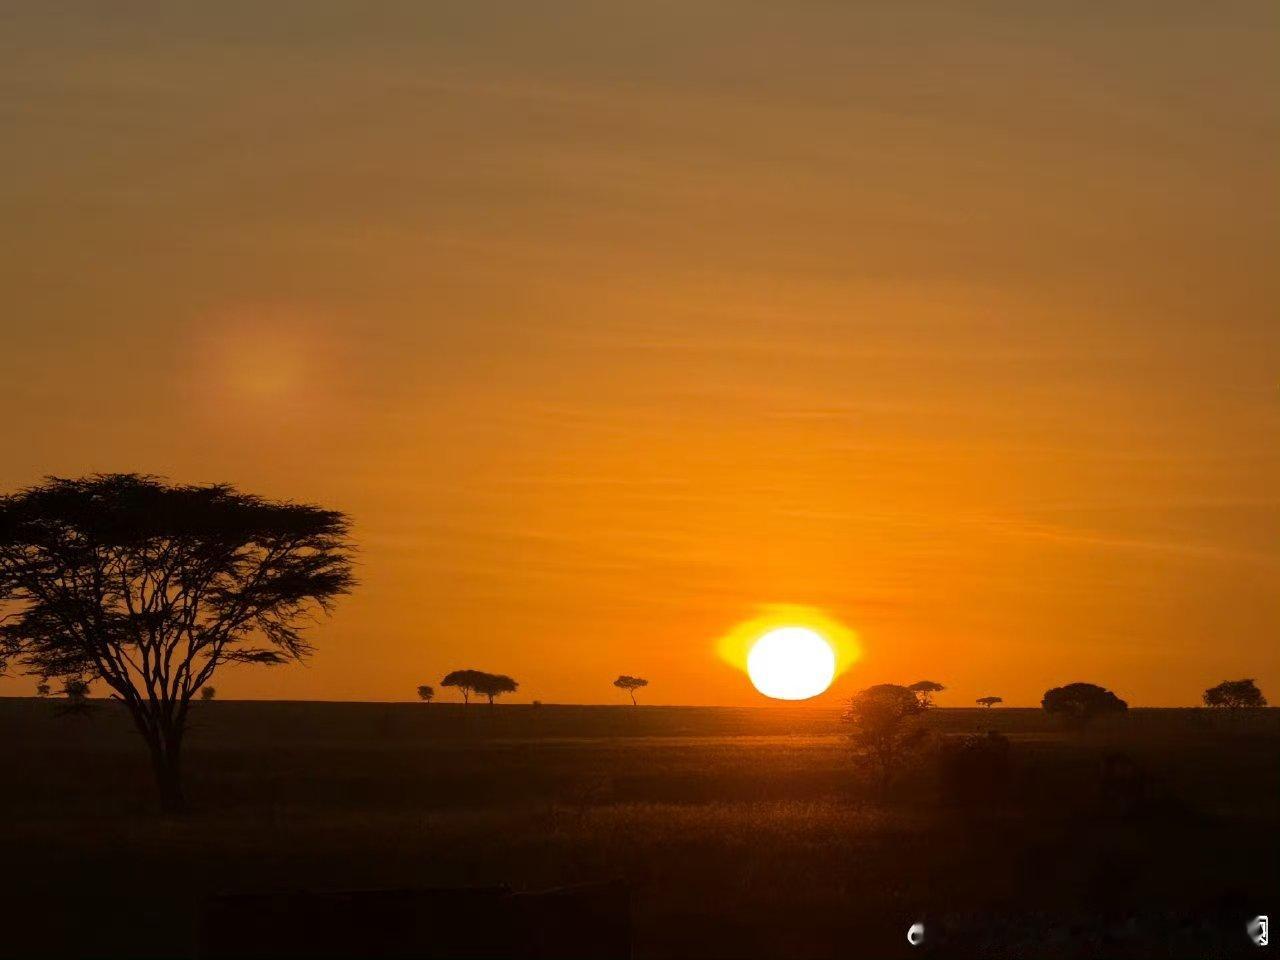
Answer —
924 691
989 702
1080 702
43 689
884 730
1235 694
426 693
150 587
208 693
973 767
631 685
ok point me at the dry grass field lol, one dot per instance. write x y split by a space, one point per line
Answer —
741 832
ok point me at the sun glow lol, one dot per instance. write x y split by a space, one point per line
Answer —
791 663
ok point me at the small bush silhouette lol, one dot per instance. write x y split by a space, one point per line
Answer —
1080 702
989 702
631 685
924 691
43 689
426 693
208 693
1234 695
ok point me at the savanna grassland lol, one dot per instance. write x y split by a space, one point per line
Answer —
742 832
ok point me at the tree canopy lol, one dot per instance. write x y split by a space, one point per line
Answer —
989 702
925 689
630 685
150 587
1082 701
426 693
479 682
1235 694
883 726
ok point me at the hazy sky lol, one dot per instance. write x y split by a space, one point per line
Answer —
610 323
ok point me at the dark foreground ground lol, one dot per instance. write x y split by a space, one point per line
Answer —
741 833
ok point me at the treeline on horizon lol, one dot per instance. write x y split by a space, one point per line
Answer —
149 587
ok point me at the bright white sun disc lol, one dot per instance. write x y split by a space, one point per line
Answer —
791 663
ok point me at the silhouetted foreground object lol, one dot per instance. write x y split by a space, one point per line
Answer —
883 731
150 587
631 685
989 702
426 693
480 683
1235 694
924 691
585 922
208 693
1079 702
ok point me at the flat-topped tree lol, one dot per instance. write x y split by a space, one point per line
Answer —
464 681
924 691
494 684
631 685
989 702
150 587
1081 702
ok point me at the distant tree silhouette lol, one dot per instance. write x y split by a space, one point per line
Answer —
924 691
43 689
494 685
464 680
1235 694
631 685
150 587
76 692
208 693
1079 702
989 702
884 730
426 693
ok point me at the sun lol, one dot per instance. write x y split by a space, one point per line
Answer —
791 663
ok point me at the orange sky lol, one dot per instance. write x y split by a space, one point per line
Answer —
956 321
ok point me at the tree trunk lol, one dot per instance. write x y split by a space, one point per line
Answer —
633 697
166 763
490 696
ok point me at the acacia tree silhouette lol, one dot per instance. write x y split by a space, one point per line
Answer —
631 685
989 702
494 684
426 693
150 587
924 691
1235 695
207 693
464 680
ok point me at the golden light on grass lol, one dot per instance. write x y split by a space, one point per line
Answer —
789 651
